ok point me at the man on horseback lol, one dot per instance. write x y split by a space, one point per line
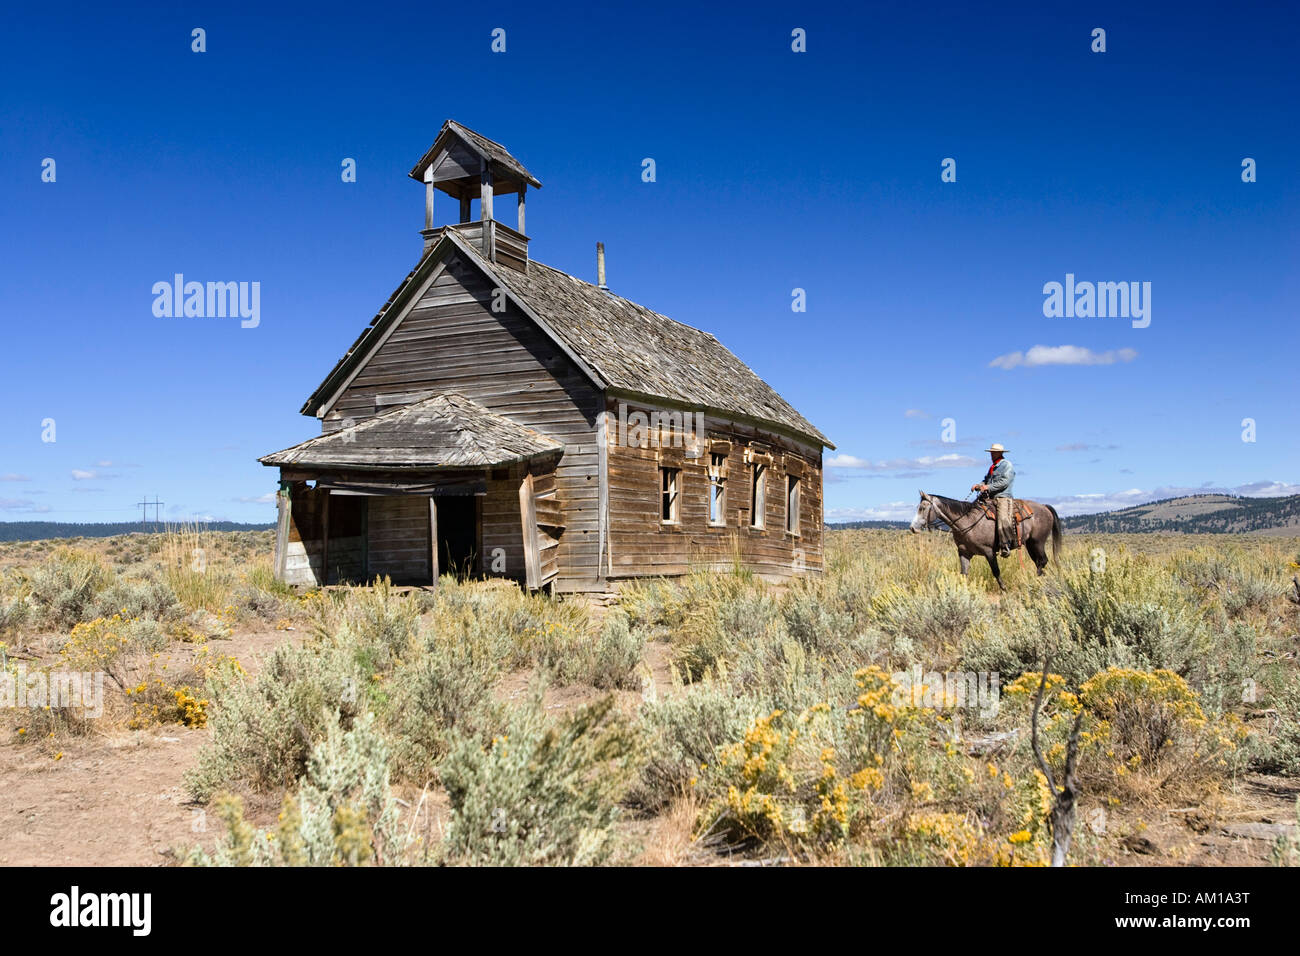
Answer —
976 536
997 486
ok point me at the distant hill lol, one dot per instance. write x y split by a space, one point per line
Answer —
868 524
40 530
1198 514
1191 514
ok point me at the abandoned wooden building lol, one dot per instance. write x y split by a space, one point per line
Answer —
499 417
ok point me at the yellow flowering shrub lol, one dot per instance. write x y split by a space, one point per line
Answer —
883 778
780 782
944 838
1153 721
98 645
1144 723
192 711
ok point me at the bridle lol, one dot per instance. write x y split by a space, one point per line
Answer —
934 508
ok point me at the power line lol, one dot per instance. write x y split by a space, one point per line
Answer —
144 511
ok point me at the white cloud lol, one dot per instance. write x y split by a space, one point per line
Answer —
1091 503
22 504
940 443
182 517
894 511
916 413
1267 489
1062 355
266 499
1084 503
924 463
90 474
846 461
14 477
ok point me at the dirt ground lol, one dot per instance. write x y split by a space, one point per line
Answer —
118 799
114 799
1233 829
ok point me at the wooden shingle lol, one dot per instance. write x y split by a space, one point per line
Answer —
445 431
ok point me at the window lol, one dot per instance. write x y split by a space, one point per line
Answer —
669 482
757 495
717 489
792 495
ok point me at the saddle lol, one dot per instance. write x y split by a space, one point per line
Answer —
1020 510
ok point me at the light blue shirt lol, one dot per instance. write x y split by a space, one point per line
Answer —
999 483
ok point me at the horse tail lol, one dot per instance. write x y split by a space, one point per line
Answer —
1056 532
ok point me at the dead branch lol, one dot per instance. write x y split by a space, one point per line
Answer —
1065 800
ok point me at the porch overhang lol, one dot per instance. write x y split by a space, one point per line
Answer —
445 433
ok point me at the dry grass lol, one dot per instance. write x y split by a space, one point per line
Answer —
198 568
840 781
669 837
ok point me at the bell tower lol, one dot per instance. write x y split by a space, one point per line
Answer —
467 166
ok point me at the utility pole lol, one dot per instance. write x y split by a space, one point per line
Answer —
144 511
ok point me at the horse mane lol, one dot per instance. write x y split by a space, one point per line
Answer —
955 506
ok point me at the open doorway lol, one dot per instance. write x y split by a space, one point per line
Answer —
457 534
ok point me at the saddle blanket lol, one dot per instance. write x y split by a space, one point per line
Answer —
1022 511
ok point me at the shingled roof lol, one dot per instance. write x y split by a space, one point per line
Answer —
445 431
490 149
623 345
638 350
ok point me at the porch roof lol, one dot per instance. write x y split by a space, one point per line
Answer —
445 431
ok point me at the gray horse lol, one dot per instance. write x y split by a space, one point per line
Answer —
972 529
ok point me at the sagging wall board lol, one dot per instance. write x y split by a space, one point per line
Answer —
540 515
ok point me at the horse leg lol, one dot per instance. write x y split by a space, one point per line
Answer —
997 575
1038 552
965 562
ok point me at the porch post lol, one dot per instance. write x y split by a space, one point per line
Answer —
282 508
325 540
433 540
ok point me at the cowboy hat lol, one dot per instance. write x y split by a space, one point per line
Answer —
997 447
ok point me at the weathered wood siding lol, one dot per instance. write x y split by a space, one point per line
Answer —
302 559
640 544
453 341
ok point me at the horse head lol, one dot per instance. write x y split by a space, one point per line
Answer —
921 521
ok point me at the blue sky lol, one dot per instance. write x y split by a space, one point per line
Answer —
776 170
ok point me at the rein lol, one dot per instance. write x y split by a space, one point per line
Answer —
934 507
